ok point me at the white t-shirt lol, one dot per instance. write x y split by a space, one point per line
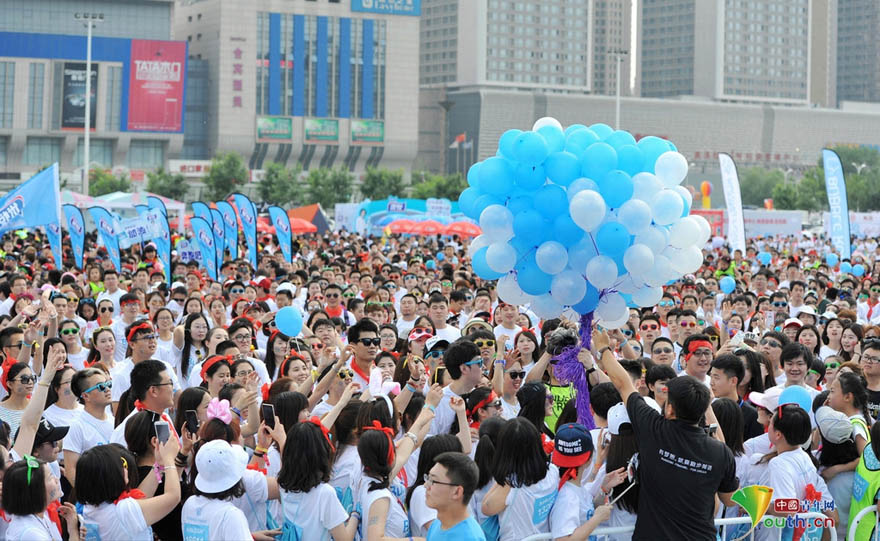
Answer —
573 507
321 408
758 445
253 502
317 511
204 519
87 432
121 375
32 528
528 508
444 416
62 417
123 520
118 327
396 522
78 360
449 333
510 333
825 352
508 410
344 473
419 512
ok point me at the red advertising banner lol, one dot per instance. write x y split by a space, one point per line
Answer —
155 91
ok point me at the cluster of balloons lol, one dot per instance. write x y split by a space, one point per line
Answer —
585 217
857 270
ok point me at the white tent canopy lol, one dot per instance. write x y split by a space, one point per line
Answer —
123 200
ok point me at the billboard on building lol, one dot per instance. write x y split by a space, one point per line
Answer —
367 132
274 128
388 7
156 80
73 106
321 131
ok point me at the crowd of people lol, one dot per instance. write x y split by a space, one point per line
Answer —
415 403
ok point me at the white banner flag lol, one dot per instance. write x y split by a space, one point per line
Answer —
736 231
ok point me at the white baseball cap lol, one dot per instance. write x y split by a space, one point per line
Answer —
220 466
768 400
618 416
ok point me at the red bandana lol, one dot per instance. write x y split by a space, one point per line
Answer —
133 493
389 433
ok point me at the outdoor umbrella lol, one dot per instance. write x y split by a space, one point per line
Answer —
464 229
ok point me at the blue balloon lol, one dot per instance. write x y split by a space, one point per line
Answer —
506 143
652 147
429 264
482 268
795 394
519 203
521 246
858 269
577 141
630 159
289 321
764 258
574 127
612 238
562 167
473 175
482 202
440 256
530 177
496 176
551 201
597 160
589 302
832 259
527 225
530 278
466 200
620 138
530 148
554 138
846 267
616 188
566 231
602 130
727 285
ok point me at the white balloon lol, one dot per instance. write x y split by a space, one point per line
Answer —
686 195
580 184
587 209
646 186
660 273
684 233
693 259
612 306
648 296
638 259
496 221
501 257
705 228
601 272
654 237
551 257
568 287
666 207
478 242
546 121
671 168
545 307
509 290
615 324
628 283
581 253
635 215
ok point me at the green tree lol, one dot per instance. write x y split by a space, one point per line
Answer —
757 183
281 186
167 184
857 159
227 172
811 190
102 182
428 185
785 196
329 186
382 183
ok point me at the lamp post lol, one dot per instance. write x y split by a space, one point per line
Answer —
446 105
90 20
859 167
618 54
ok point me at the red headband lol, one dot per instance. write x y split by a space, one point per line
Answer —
4 377
136 328
317 422
389 433
482 403
265 391
695 345
211 361
293 355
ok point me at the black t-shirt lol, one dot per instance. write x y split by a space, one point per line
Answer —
680 470
874 403
751 427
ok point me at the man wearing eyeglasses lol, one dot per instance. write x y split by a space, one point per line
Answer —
697 354
870 362
153 385
687 327
142 340
449 486
93 426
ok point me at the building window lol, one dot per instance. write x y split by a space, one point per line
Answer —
3 142
100 153
7 92
35 95
114 98
41 151
146 154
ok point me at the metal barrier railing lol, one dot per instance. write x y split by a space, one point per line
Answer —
854 523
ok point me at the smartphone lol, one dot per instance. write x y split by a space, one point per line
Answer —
162 431
268 411
192 421
769 319
737 339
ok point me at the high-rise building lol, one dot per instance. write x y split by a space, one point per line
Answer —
614 31
737 50
858 50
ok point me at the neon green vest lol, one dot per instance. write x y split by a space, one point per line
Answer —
866 485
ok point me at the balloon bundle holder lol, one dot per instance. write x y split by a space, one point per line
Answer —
568 369
582 218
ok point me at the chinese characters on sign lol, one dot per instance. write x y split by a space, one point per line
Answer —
237 74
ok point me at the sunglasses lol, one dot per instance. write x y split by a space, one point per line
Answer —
103 386
370 341
318 345
147 337
28 379
779 304
875 290
628 333
651 327
331 295
516 374
484 343
345 374
436 354
686 324
666 303
68 331
446 284
832 365
771 343
661 351
474 362
236 290
105 309
348 295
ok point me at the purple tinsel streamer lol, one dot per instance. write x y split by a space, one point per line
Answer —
569 369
